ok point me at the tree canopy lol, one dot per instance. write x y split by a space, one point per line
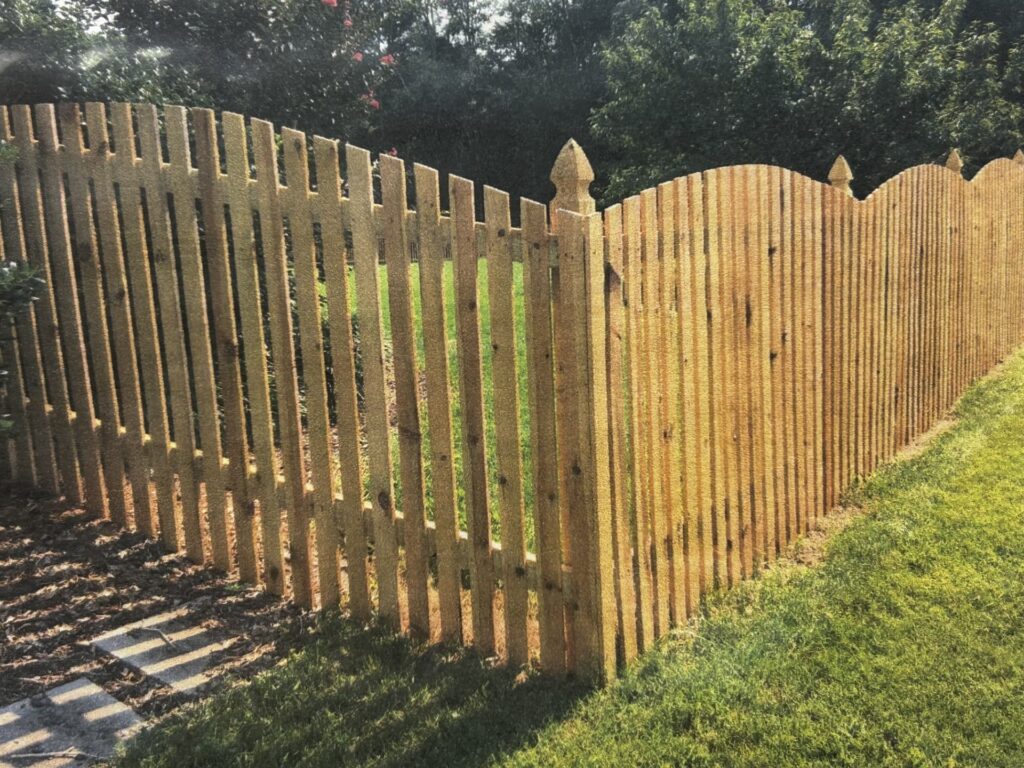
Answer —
491 89
697 84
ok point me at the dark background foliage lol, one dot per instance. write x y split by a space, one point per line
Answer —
491 89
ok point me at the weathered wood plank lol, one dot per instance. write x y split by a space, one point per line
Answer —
18 335
778 354
85 252
143 311
617 396
193 281
505 375
698 440
670 430
410 438
540 362
379 485
282 347
658 509
346 405
297 207
34 353
439 400
224 336
474 448
110 263
764 418
262 486
47 234
171 324
638 372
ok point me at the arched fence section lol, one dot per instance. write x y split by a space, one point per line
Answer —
361 385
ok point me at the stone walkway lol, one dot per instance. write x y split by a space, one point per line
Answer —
72 724
79 723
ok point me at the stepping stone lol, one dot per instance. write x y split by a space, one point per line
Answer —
73 724
168 648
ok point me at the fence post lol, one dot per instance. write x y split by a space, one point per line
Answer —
954 162
840 176
572 177
581 403
1019 157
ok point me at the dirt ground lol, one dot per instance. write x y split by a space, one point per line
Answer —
65 579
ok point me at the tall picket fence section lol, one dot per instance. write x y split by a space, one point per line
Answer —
549 440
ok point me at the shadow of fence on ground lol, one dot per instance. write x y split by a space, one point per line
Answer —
357 695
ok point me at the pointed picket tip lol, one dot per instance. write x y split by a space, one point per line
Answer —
1019 157
572 164
954 162
841 175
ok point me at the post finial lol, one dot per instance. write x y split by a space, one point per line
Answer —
955 163
1019 157
840 176
572 176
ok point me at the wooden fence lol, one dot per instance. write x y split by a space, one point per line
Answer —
547 440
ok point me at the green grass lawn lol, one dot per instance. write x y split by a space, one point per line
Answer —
903 647
522 386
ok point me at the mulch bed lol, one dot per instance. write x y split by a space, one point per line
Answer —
65 579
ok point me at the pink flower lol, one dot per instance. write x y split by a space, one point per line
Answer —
387 60
348 21
357 56
393 152
374 104
330 3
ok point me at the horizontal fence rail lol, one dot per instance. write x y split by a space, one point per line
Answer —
329 374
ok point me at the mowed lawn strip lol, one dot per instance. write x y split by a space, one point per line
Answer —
903 647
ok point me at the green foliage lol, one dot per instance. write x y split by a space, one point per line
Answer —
699 84
491 89
20 285
904 647
53 51
40 46
296 62
8 152
498 107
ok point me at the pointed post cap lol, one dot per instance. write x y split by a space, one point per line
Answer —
840 176
572 176
954 162
1019 157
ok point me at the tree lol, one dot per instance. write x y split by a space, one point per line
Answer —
53 52
702 83
496 105
302 63
40 46
491 89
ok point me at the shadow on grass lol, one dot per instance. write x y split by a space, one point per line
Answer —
356 696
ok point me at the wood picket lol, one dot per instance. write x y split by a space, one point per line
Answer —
547 434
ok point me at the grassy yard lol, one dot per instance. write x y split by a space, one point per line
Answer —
903 647
487 355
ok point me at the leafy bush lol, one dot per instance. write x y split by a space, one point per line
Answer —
20 285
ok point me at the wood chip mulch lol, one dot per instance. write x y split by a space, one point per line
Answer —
65 579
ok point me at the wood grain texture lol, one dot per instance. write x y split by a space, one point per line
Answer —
709 366
474 447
